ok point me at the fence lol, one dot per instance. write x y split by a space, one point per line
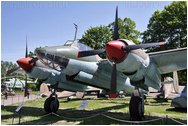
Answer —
13 100
164 118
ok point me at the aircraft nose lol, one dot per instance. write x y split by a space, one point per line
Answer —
25 64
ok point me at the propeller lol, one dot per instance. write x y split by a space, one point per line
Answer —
12 70
116 35
26 52
116 51
26 64
134 47
26 85
113 83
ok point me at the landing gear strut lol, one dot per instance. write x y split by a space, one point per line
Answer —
136 107
51 104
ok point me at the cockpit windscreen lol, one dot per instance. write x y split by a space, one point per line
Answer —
78 45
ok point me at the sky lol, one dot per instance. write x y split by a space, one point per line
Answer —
50 23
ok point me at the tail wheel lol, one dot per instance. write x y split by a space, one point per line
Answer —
136 108
51 105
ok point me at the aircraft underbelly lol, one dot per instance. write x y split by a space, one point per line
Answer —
99 80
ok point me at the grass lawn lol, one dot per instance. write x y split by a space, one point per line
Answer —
32 112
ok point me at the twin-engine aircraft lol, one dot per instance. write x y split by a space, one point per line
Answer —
127 68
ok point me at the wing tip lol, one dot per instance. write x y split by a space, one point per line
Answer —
162 43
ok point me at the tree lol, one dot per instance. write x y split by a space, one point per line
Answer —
33 53
97 37
126 30
169 25
5 66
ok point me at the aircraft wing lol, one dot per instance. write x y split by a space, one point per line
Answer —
170 60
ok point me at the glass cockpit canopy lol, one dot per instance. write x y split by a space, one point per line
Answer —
78 45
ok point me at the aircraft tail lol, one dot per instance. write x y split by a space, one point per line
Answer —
44 88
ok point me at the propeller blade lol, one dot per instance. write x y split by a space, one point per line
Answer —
115 35
134 47
90 53
26 86
95 52
12 70
113 84
26 52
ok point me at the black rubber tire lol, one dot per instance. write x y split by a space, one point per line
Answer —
50 105
136 109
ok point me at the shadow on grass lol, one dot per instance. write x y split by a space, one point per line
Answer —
80 99
33 116
160 100
182 110
39 112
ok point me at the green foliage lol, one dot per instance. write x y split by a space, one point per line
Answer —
183 76
169 25
33 53
97 37
5 66
126 30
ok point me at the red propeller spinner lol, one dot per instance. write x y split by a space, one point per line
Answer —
25 64
114 50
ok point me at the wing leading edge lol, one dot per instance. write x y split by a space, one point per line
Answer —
170 60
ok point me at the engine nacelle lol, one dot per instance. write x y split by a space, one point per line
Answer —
48 76
55 78
132 61
136 65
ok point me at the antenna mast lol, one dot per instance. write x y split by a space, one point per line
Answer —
76 26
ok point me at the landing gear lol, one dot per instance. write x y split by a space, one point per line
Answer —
136 107
51 104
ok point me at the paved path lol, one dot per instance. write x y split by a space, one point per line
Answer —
20 98
17 99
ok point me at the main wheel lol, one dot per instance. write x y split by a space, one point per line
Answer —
51 105
136 108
